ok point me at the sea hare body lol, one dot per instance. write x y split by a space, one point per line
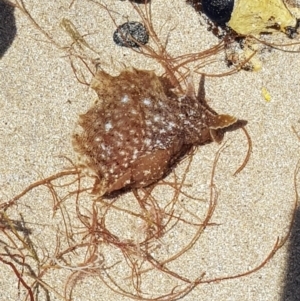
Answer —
139 129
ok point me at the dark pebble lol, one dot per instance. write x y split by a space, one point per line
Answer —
131 34
219 11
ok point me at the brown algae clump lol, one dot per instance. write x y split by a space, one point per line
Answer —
139 129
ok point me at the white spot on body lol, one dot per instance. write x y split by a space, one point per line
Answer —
135 153
159 144
157 118
108 150
171 125
135 140
146 172
108 126
125 99
147 141
161 104
147 101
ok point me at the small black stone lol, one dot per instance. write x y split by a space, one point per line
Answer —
131 34
219 11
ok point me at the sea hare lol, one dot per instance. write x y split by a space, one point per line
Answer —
139 129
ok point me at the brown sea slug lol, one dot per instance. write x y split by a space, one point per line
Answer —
139 129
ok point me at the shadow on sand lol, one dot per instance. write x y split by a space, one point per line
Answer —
291 291
8 27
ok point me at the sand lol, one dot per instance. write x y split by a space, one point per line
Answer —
40 101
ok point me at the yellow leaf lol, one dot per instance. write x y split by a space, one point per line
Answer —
257 16
266 94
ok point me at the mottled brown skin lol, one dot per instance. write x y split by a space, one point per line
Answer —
139 129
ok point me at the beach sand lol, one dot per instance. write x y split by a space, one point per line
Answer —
40 101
